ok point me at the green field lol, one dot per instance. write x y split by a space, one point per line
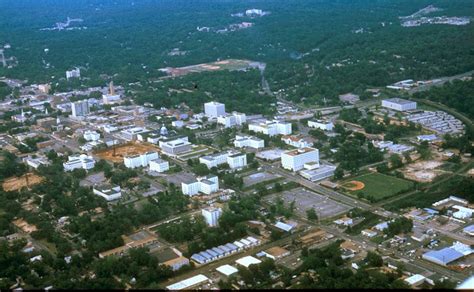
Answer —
379 186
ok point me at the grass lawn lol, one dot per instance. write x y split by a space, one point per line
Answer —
379 186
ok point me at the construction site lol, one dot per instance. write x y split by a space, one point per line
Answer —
24 181
118 152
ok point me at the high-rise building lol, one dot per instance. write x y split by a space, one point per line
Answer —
74 73
214 109
296 159
212 215
80 108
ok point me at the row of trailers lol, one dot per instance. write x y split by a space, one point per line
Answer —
215 253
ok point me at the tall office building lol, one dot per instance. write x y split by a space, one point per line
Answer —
211 215
214 109
80 108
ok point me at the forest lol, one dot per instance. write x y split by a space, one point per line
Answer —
312 49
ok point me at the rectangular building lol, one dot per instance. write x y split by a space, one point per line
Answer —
248 141
214 109
159 165
399 104
295 160
271 128
80 108
206 185
140 160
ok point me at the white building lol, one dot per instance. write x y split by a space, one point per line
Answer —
79 161
177 124
232 120
206 185
323 125
399 104
131 134
74 73
271 128
317 173
248 141
80 108
140 160
91 135
296 141
108 192
237 160
211 215
174 146
296 159
214 160
159 165
214 109
36 162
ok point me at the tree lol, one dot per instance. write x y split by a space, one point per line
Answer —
373 259
311 214
395 161
338 173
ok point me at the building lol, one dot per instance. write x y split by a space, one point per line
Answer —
320 124
214 160
214 109
317 173
276 253
237 160
139 239
227 270
448 255
232 120
248 141
234 160
80 108
111 97
295 160
36 162
131 134
159 165
415 280
108 192
206 185
271 128
296 141
211 215
74 73
247 261
175 146
46 123
140 160
188 284
469 230
91 136
349 98
79 161
399 104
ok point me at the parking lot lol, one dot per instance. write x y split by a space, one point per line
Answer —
258 178
305 199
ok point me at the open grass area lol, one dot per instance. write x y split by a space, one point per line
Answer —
377 186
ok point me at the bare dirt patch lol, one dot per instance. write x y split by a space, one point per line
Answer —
423 171
17 183
124 150
353 185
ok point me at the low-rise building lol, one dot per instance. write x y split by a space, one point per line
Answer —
79 161
233 159
140 160
175 146
248 141
36 162
320 124
399 104
232 120
296 141
91 135
108 192
206 185
159 165
271 128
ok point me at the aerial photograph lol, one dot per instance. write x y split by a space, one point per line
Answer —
236 144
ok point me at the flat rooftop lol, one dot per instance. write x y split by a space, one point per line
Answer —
398 100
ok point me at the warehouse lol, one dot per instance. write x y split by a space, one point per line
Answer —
399 104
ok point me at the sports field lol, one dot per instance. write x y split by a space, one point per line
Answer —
376 185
